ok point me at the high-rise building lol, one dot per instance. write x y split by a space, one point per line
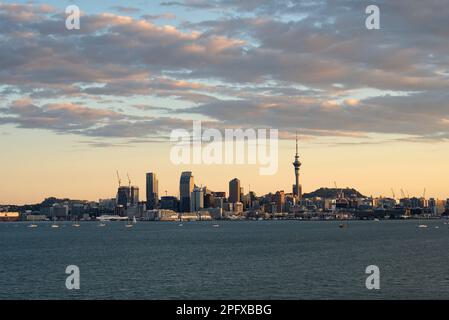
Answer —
297 189
196 199
170 203
234 190
186 185
124 196
280 201
152 191
134 196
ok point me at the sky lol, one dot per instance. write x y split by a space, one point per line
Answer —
371 106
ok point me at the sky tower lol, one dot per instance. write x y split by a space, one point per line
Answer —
297 192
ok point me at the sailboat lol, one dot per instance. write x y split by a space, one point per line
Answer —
129 225
32 225
76 224
421 225
54 225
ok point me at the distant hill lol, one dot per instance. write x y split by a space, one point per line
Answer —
332 193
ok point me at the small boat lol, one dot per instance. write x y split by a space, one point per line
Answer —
215 225
76 224
32 225
343 225
128 224
180 225
376 219
54 225
423 226
102 225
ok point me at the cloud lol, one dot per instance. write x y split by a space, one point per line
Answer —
307 64
126 10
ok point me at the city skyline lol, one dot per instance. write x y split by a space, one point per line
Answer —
78 105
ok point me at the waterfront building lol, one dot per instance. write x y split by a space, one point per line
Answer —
9 216
169 203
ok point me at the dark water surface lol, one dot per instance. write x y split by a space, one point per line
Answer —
238 260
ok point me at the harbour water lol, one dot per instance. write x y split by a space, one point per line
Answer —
237 260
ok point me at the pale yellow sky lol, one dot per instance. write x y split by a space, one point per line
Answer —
38 166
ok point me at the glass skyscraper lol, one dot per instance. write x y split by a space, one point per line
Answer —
152 191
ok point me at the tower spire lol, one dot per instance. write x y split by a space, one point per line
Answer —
296 142
297 165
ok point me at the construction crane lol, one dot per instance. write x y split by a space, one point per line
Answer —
403 194
424 194
392 191
119 180
129 180
339 192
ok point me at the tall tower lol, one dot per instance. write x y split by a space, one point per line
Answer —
234 190
186 186
152 191
297 164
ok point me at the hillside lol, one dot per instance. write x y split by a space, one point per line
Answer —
332 193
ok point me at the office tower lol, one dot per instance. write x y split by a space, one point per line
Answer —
170 203
234 190
196 199
186 186
297 190
152 191
134 196
280 201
